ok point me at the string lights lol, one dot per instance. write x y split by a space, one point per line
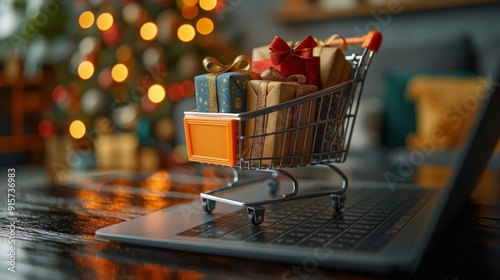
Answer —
134 61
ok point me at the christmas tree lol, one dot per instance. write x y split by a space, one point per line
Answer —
132 63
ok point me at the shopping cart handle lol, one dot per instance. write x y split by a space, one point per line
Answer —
371 40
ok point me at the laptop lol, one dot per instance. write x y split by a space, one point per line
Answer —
380 229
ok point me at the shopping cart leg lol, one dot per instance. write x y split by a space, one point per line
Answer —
338 201
208 205
256 214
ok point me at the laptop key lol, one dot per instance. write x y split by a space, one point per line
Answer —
369 222
276 230
351 217
243 233
341 240
358 231
337 226
304 229
340 246
325 235
288 240
297 234
298 218
341 222
214 233
331 230
353 236
266 224
271 220
283 226
263 237
311 225
291 222
362 226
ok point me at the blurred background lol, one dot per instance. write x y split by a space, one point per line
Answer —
103 84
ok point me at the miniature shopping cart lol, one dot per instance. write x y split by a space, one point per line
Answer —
311 130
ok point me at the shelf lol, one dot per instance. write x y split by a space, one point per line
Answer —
25 101
310 12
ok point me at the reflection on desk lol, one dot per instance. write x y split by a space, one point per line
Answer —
55 239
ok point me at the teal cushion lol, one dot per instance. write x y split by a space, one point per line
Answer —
398 116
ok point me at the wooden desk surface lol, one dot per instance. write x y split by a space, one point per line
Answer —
55 225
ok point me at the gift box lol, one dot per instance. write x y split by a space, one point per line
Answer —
223 90
289 60
260 58
335 69
279 140
225 94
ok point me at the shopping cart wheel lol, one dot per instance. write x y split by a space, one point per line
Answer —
208 205
256 214
338 201
272 186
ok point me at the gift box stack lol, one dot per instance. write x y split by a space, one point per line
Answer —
277 73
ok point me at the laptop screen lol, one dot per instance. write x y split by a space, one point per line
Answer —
478 148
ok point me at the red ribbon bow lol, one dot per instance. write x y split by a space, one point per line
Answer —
281 51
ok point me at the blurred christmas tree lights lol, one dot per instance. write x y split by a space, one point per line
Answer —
132 62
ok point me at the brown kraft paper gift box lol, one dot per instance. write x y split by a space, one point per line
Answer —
265 93
335 69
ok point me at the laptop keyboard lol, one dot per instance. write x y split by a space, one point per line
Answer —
368 221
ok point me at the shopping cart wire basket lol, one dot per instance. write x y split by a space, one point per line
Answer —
311 130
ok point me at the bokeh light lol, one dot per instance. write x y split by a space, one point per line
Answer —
156 93
186 32
189 12
189 88
149 31
147 105
167 22
119 72
120 93
103 125
93 102
111 36
104 21
204 26
88 45
59 94
104 80
176 92
125 117
208 5
85 70
77 129
164 129
86 19
46 128
151 57
133 13
123 53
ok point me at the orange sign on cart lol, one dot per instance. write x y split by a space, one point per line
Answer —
211 140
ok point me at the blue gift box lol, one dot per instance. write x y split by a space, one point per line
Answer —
230 92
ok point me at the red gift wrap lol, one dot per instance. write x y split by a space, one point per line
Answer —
294 60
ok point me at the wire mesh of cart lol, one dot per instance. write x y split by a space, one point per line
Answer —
311 130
